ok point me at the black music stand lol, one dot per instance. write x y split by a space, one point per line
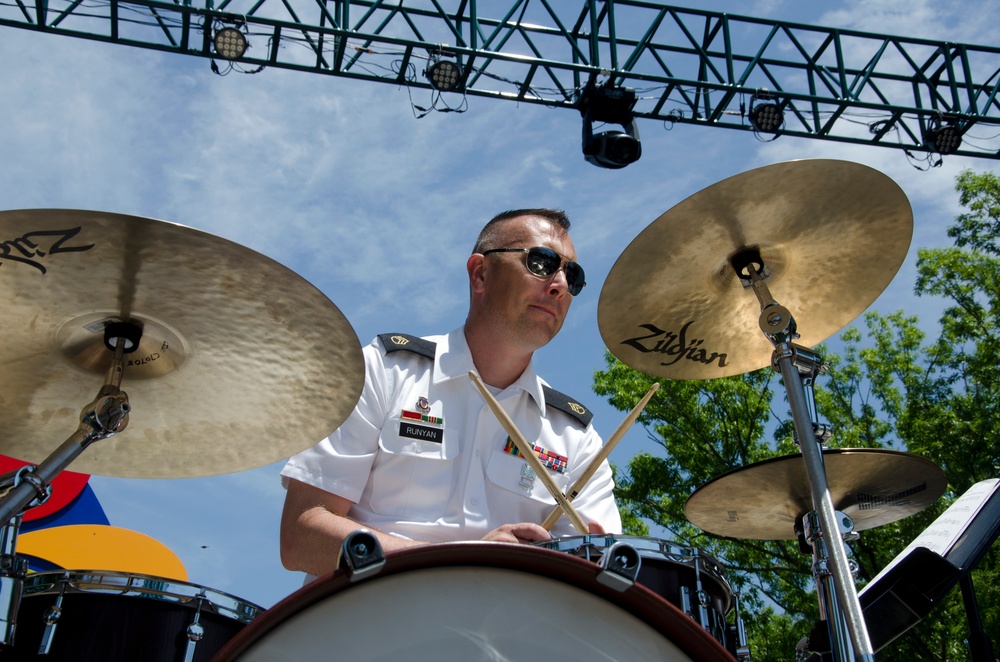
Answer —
921 576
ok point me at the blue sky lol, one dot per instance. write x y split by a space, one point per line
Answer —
337 180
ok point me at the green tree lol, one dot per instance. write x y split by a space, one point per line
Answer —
887 388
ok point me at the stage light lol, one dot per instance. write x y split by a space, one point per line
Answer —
444 75
943 139
611 149
766 117
230 43
607 103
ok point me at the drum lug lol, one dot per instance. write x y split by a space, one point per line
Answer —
51 618
620 566
195 631
361 555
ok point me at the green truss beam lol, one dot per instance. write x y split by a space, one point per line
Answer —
685 65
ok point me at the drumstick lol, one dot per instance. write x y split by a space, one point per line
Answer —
602 455
529 456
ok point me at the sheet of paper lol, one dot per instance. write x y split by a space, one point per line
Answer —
946 529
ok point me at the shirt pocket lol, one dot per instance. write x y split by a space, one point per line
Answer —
413 472
512 476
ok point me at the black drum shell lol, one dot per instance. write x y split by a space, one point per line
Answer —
121 621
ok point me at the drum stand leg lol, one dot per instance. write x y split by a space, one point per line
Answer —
31 486
793 362
831 609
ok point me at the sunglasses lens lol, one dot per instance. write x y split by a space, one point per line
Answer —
543 261
574 278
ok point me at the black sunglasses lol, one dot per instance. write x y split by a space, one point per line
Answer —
545 262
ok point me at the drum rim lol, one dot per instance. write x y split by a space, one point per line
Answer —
88 582
641 602
713 570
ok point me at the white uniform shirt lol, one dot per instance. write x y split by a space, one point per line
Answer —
448 477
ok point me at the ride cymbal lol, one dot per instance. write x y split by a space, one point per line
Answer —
831 235
765 500
241 362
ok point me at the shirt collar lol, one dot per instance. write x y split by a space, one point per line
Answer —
453 360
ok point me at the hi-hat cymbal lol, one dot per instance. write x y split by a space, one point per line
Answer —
241 361
765 500
832 235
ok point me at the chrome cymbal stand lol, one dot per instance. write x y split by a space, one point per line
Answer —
799 366
31 486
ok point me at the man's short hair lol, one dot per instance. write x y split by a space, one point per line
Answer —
491 233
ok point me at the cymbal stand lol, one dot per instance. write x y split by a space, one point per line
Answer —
799 366
31 486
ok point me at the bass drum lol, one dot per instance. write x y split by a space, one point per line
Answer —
110 616
474 601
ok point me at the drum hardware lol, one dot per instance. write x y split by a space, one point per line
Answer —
361 555
105 416
601 456
196 631
84 289
13 570
528 455
799 368
274 349
620 566
738 633
702 597
830 236
834 636
769 228
51 619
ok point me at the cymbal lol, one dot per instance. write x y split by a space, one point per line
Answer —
241 362
831 234
765 500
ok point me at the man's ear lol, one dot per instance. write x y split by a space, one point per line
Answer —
476 266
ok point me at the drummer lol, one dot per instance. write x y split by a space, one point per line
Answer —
422 458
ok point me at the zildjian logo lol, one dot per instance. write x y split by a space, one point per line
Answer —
38 245
675 345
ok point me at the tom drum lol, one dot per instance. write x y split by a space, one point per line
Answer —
81 615
690 580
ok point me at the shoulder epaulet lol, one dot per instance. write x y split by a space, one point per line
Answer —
402 341
562 402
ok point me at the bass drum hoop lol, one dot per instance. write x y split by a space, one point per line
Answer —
578 574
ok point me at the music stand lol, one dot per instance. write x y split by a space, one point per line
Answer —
920 576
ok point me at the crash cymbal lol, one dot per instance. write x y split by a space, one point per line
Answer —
763 501
831 234
241 362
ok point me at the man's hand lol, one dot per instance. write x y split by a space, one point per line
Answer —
522 532
526 532
595 529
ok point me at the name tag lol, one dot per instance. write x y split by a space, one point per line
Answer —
422 432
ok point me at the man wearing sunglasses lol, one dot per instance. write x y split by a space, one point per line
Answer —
422 458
